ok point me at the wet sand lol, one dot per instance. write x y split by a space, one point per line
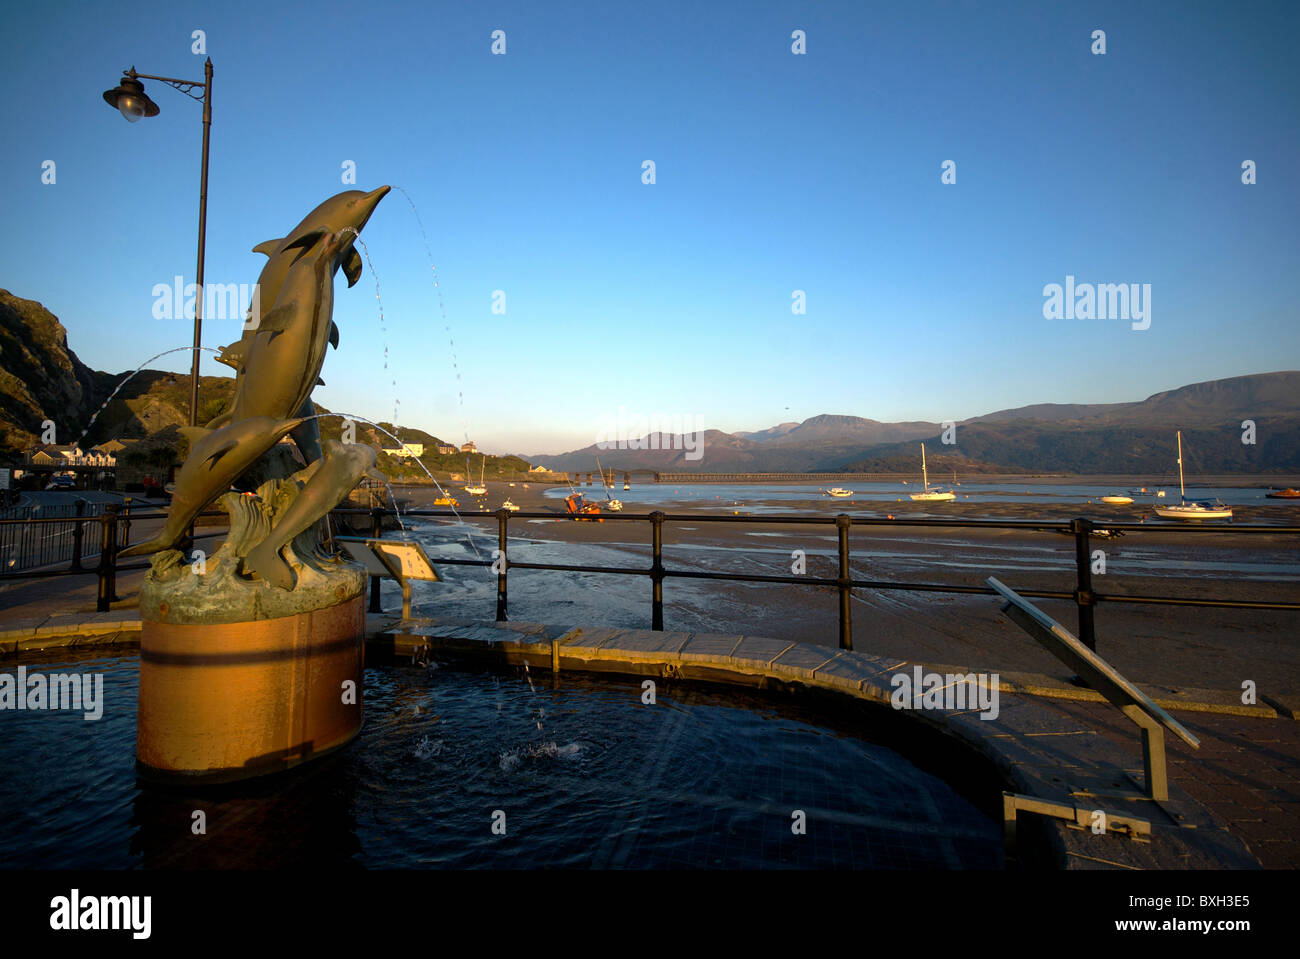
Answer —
1180 647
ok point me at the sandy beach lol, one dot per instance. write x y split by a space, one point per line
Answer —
1170 646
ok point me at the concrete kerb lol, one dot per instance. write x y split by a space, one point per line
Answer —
1038 752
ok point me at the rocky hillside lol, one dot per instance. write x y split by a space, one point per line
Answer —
40 378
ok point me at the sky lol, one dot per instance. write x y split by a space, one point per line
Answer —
774 172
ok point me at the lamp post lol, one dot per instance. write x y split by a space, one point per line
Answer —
129 97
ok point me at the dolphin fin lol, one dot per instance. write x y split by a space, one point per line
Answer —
305 242
219 421
334 334
352 266
278 320
220 451
319 381
268 247
374 474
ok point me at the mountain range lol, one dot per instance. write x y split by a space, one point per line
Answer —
1134 437
41 379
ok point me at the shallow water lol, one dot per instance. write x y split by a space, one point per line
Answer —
753 496
585 774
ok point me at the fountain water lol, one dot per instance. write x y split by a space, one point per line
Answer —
126 379
442 309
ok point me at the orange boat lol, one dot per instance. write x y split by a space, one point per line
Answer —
1284 494
576 507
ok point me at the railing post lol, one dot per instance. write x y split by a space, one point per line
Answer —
502 516
376 531
108 560
78 533
657 569
842 524
126 521
1083 576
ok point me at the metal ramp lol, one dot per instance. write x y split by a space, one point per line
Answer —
1124 696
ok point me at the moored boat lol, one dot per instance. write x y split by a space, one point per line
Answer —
1191 511
1284 494
936 494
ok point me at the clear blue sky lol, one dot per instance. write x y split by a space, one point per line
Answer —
775 172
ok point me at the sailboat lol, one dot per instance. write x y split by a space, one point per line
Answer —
1192 511
936 495
611 504
480 489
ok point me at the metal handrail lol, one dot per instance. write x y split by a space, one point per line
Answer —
1084 597
115 534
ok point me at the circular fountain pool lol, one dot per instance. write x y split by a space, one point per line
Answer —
458 769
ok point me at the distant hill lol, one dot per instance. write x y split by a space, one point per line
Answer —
1136 437
41 378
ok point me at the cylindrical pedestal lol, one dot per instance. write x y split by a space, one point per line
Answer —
227 701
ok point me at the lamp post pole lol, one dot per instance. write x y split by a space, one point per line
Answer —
130 98
203 229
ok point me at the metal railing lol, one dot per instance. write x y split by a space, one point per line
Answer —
113 534
1082 595
90 536
32 537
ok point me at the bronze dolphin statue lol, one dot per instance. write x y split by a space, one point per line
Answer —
284 360
217 458
338 473
350 209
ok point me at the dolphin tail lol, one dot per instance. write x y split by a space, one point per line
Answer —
265 560
160 542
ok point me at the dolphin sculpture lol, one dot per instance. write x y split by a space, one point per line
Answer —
216 459
344 212
284 360
336 476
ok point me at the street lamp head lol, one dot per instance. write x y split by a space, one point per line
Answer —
129 97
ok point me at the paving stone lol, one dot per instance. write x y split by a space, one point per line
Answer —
801 659
709 647
645 644
847 670
588 637
26 626
759 649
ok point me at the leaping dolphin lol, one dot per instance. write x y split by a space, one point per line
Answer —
336 476
284 359
216 460
347 211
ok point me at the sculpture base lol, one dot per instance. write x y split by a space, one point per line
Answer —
220 702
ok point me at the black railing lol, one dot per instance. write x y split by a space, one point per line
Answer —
114 534
33 537
1083 595
111 537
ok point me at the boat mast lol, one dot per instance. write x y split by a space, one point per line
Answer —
1182 493
925 477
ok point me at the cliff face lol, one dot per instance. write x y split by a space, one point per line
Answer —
40 378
